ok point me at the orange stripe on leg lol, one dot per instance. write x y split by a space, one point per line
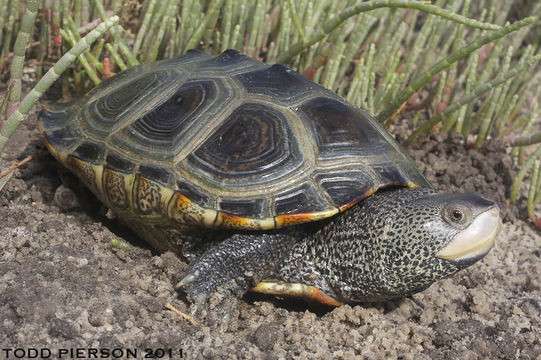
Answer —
295 290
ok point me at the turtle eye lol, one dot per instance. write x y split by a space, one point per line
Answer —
456 214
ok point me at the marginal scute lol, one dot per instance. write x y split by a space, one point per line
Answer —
118 163
300 218
85 171
368 192
347 186
115 189
195 194
231 221
185 212
90 152
54 117
63 138
389 175
157 174
411 177
250 208
303 199
147 196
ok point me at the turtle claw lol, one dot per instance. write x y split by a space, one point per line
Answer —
186 280
214 281
198 303
214 303
224 322
216 309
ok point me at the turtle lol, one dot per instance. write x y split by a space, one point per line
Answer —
265 181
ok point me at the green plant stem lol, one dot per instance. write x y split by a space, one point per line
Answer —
468 98
531 191
394 104
19 50
115 31
144 26
12 13
70 38
523 170
213 10
371 5
522 140
49 78
116 57
296 21
3 6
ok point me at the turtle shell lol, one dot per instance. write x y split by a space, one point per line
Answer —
223 141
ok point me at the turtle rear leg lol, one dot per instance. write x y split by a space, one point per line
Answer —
72 194
234 265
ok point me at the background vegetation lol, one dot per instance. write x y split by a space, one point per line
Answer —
465 66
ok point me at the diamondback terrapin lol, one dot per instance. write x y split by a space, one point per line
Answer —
265 181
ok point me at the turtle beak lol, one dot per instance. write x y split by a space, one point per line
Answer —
476 240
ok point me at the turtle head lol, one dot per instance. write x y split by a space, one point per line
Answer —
425 236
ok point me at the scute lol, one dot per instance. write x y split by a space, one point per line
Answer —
223 141
195 194
105 113
90 152
118 163
171 124
157 174
253 143
168 119
67 137
346 187
338 128
229 62
304 199
277 81
249 208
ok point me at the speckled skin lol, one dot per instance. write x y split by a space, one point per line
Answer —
240 262
380 249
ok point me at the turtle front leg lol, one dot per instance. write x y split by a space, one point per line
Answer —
234 265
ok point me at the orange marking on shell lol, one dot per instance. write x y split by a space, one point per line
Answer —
47 143
350 204
182 203
291 219
366 194
413 186
231 221
50 148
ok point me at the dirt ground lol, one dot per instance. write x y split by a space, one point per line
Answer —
63 286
